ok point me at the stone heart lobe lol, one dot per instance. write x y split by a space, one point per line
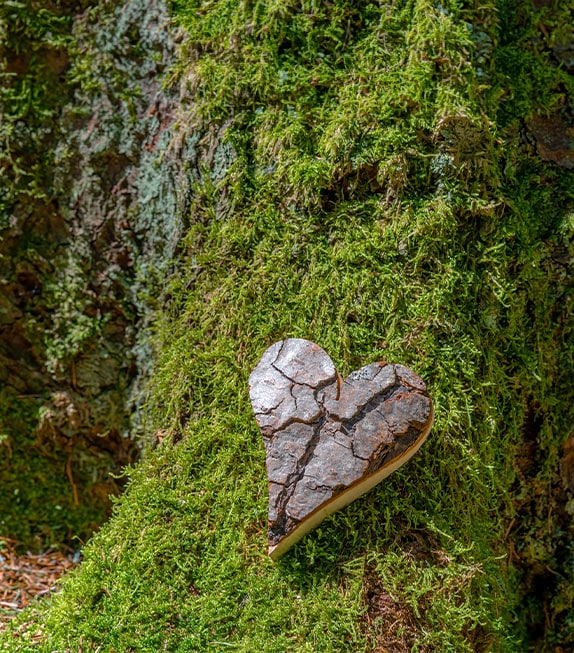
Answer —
328 441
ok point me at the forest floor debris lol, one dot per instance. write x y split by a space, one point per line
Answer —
24 577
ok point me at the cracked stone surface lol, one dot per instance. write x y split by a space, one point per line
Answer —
328 441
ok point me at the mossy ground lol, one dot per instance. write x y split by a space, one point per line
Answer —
379 200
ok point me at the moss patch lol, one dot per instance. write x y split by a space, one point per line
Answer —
369 188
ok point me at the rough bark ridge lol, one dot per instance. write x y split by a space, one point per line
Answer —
323 437
89 221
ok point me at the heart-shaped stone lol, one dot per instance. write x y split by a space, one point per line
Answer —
329 441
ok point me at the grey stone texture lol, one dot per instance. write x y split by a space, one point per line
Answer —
323 435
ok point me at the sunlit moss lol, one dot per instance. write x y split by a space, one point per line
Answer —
372 198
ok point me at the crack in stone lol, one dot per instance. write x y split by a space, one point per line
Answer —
290 422
398 447
280 526
356 454
345 444
356 436
348 428
270 410
282 345
315 387
370 406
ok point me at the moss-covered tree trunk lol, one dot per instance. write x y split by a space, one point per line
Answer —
392 180
89 220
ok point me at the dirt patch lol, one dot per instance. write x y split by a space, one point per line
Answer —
554 138
390 623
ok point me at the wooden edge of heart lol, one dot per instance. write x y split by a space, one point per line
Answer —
347 496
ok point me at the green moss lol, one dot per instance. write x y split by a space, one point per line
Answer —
44 501
34 42
370 201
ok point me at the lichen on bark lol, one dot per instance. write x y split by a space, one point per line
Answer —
90 221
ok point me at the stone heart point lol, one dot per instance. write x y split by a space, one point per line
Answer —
328 441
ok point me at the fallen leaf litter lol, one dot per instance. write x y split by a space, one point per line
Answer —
24 577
